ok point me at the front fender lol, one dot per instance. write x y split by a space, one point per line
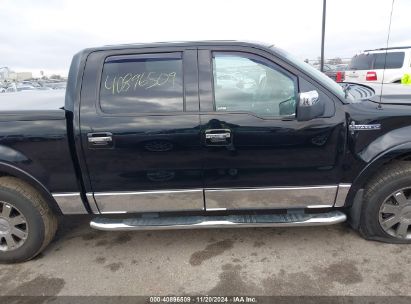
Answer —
392 140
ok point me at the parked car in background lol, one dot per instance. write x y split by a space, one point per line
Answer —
392 92
33 85
335 72
330 71
342 66
368 67
20 87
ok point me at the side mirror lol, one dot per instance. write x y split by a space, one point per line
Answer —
309 106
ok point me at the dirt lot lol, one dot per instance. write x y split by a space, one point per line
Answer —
331 260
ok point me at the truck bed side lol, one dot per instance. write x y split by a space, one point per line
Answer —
34 143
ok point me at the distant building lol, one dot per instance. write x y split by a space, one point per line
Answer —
20 76
9 75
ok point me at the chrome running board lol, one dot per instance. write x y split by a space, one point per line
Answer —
225 221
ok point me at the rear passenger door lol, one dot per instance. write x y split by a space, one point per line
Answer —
140 130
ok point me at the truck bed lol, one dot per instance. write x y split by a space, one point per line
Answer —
33 137
32 100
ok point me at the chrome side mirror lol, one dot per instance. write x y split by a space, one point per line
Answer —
308 99
310 106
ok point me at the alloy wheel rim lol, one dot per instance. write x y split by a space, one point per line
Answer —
395 214
13 227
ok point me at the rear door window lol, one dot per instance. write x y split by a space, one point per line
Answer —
361 62
142 84
394 60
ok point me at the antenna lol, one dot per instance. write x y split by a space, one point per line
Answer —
386 51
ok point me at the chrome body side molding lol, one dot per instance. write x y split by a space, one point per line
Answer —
271 198
92 203
70 203
219 199
150 201
341 195
227 221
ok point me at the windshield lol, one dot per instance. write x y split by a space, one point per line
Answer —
314 73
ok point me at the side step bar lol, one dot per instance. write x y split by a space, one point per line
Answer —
226 221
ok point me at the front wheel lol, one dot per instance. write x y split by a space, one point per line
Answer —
386 213
27 224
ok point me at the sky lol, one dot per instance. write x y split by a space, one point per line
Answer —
45 34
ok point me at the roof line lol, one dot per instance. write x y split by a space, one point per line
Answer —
389 48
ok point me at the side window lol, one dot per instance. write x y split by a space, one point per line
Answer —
142 84
243 83
394 60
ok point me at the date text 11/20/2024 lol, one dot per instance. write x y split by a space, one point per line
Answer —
203 299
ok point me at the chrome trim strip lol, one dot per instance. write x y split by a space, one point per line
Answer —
70 203
145 192
92 203
216 209
342 193
271 198
193 222
319 206
150 201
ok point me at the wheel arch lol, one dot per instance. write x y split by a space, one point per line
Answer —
354 201
401 152
7 169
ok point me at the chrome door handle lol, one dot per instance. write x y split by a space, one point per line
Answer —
218 135
103 138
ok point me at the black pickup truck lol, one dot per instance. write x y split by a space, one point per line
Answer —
198 135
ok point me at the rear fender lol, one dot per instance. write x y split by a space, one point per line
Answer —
7 154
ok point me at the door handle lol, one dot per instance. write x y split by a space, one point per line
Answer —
100 139
218 137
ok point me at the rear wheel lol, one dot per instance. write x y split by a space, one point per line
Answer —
27 224
13 227
386 213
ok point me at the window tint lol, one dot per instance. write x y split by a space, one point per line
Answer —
395 60
250 85
361 62
141 84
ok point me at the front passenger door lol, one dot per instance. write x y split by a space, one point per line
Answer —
257 154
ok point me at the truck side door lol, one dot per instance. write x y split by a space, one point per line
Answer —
140 130
257 154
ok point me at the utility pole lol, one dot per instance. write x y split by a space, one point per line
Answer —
323 36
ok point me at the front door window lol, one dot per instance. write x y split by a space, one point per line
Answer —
246 84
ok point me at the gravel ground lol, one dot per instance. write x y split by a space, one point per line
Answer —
329 260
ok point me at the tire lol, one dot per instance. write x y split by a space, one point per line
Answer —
387 200
23 202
